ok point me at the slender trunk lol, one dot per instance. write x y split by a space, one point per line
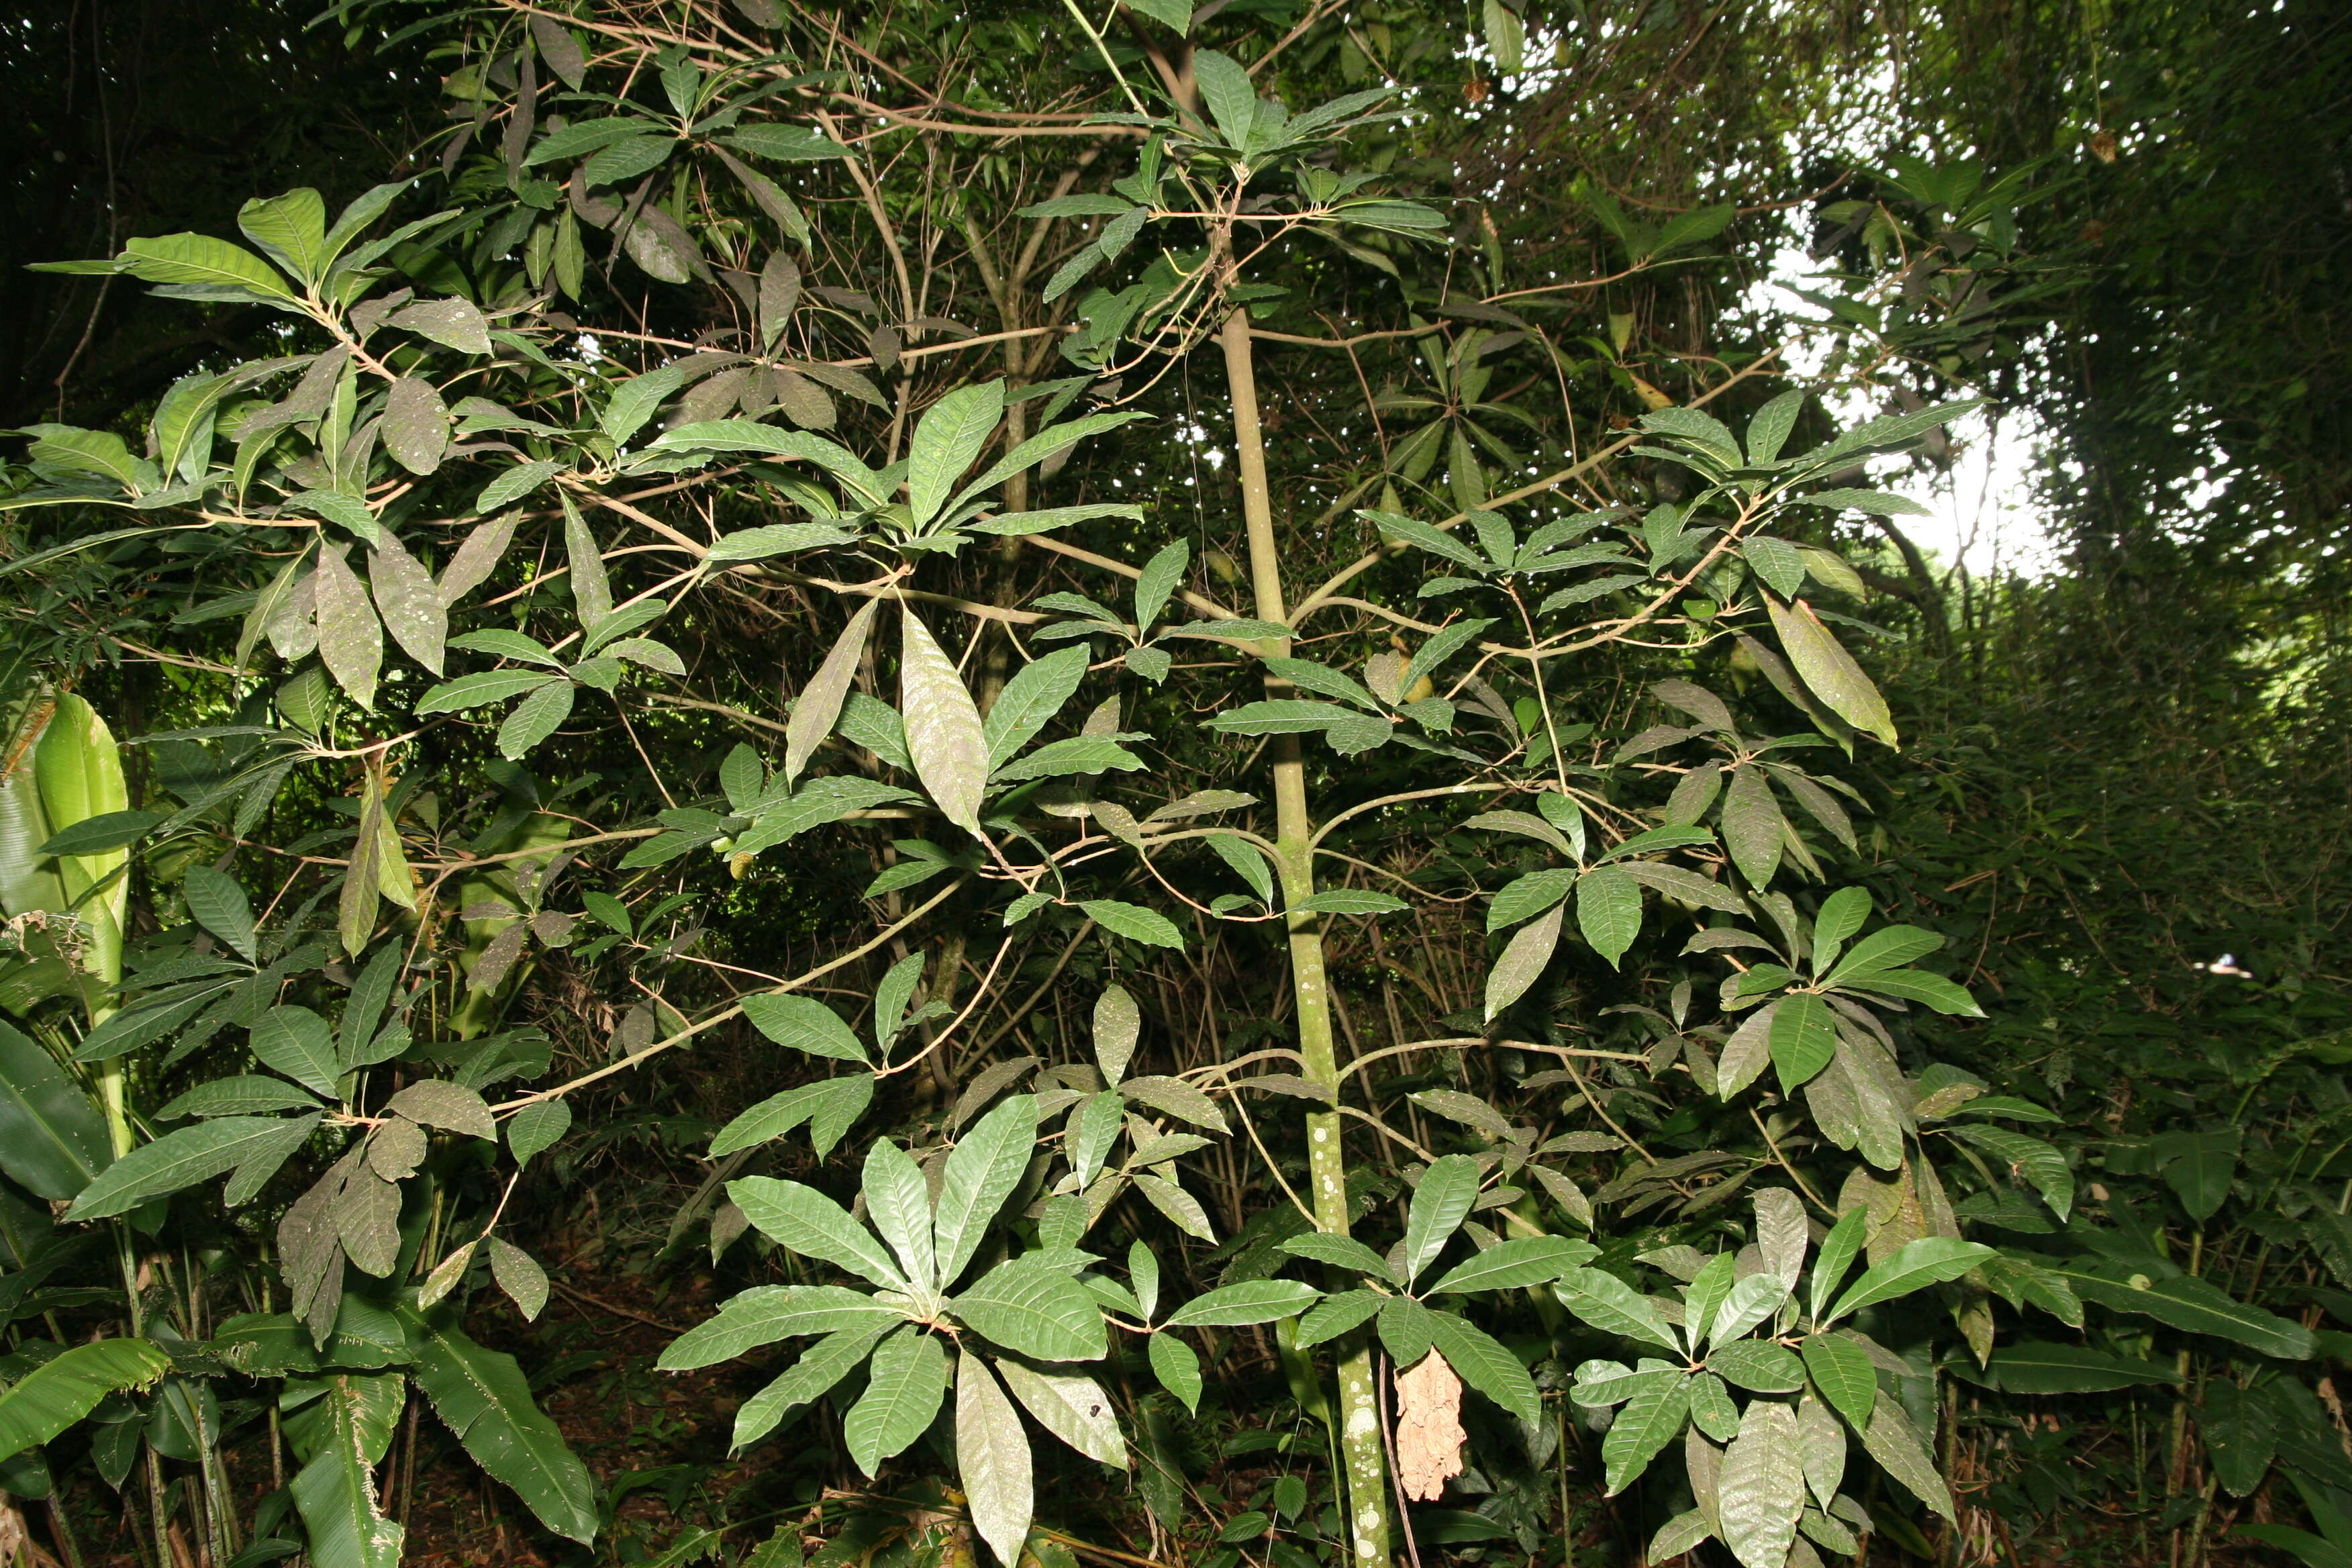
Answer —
1360 1422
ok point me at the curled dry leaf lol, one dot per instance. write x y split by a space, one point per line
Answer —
1429 1435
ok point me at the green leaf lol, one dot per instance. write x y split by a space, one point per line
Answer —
1523 961
1760 1489
808 1380
1748 1303
535 718
1836 1256
335 1490
1521 1261
1930 1260
1175 14
830 1105
1842 1372
1613 1306
903 1392
1228 95
52 1135
535 1128
1349 901
980 1174
1133 922
1033 1309
245 1095
452 1106
1177 1368
2040 1166
2198 1165
945 737
806 1221
97 834
179 1160
1338 1314
1484 1364
2199 1307
515 483
1903 1453
1758 1366
1439 1204
992 1458
1070 1405
1803 1038
1030 699
787 143
1656 1405
2033 1366
1829 671
1523 898
1249 1302
1609 910
1339 1252
485 1399
481 690
2241 1432
1916 985
803 1024
51 1398
766 1314
948 438
749 436
227 271
1878 502
297 1042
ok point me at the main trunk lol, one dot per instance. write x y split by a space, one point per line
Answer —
1360 1422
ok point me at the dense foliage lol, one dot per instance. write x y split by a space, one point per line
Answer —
1149 765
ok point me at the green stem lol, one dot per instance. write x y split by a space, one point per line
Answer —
1360 1422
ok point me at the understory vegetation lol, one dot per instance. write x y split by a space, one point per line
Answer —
1120 783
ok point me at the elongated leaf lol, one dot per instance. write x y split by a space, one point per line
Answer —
350 639
1609 910
819 707
2196 1306
1828 671
1439 1204
1930 1260
1655 1407
1070 1405
806 1221
1842 1371
804 1023
1839 1249
297 1042
2030 1366
948 438
54 1396
486 1401
830 1107
1902 1452
1342 1252
1484 1364
1613 1306
1761 1489
174 1161
1034 1308
993 1456
907 1381
808 1380
1249 1302
1523 961
766 1314
335 1490
1030 699
945 738
1803 1038
1338 1314
52 1135
980 1175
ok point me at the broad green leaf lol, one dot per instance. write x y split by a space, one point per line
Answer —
218 904
1842 1371
1930 1260
1338 1314
1758 1366
244 1095
1837 1254
980 1174
1523 898
1523 961
1484 1364
1916 985
485 1400
1439 1204
297 1042
1070 1405
2032 1366
803 1024
1249 1302
1118 1026
945 737
334 1492
1828 671
1133 922
52 1135
2196 1306
178 1160
2043 1167
1342 1252
1803 1038
1761 1488
948 438
1609 910
223 271
899 1202
766 1314
1177 1368
1608 1304
992 1455
51 1398
1652 1414
830 1107
2198 1165
1841 914
908 1380
2239 1428
808 1380
1030 699
806 1221
1903 1453
1750 1302
534 1129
